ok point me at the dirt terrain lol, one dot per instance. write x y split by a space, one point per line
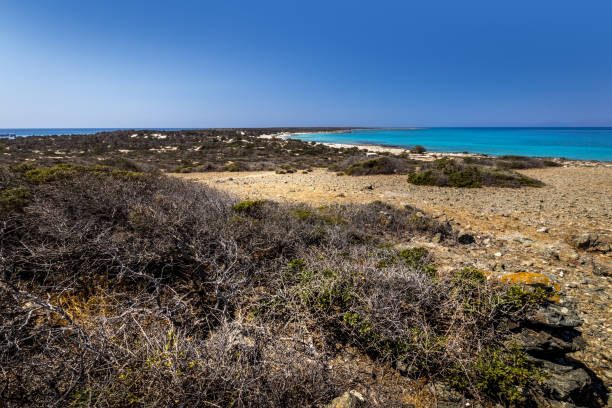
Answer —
515 230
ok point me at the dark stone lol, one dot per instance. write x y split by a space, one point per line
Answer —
566 382
544 343
554 315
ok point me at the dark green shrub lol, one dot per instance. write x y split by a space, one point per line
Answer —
469 177
379 165
505 374
14 199
248 207
47 174
425 178
452 173
418 149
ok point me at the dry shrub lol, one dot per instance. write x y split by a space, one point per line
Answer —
122 288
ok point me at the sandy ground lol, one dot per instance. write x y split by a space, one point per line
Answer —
516 229
574 198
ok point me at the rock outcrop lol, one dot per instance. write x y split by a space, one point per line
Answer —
548 335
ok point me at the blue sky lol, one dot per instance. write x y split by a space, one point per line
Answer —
305 63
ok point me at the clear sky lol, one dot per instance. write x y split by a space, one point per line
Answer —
309 63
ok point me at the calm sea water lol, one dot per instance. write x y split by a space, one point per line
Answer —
69 131
572 143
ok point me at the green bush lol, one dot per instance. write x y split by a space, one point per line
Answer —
48 174
248 206
452 173
379 165
14 199
425 178
504 374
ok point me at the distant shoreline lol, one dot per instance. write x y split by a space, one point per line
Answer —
429 155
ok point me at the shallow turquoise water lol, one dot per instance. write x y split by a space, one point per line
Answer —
571 143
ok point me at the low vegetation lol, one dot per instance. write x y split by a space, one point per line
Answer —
454 173
238 150
179 151
120 287
379 165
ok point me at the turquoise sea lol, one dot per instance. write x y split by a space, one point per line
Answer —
585 143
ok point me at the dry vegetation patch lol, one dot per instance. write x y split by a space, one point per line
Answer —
120 287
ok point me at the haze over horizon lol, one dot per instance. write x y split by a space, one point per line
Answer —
202 64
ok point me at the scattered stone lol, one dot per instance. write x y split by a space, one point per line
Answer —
350 399
543 229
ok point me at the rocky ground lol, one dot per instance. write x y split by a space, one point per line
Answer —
562 230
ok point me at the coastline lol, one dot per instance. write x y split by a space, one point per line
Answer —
427 156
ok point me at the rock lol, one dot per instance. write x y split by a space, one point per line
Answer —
543 229
465 238
602 270
532 279
566 382
581 241
550 343
349 399
437 238
591 241
556 316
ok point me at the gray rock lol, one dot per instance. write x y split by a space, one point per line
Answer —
566 381
544 343
591 241
581 241
556 316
